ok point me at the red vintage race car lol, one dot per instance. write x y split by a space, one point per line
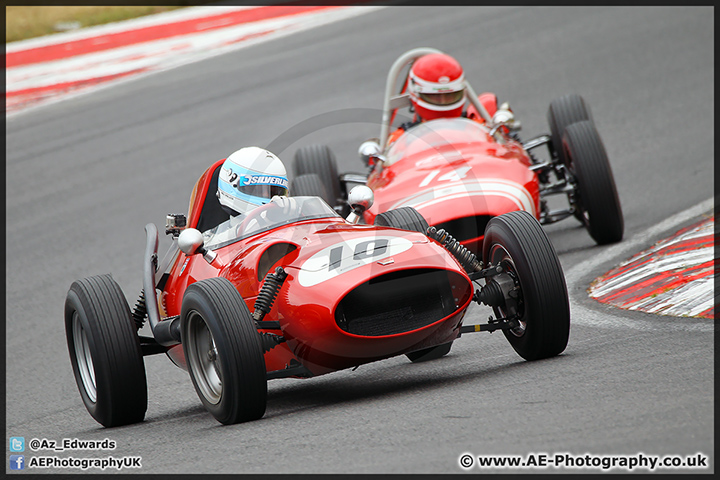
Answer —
460 172
293 289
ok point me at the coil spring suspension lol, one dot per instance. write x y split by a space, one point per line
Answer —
466 258
268 292
139 313
516 136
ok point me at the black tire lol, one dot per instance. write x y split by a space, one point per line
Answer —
320 160
519 243
596 197
233 384
310 184
427 354
565 111
105 351
404 218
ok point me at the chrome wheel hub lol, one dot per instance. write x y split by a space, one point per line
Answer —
84 358
203 358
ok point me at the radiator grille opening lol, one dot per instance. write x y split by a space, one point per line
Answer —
397 302
466 228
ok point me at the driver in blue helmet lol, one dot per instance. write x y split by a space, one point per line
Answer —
248 178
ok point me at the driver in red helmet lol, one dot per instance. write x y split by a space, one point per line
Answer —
436 85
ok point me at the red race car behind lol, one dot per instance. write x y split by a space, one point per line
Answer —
460 171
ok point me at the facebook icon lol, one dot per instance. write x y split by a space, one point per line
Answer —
17 462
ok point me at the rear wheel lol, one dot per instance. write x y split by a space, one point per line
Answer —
309 185
517 242
105 351
565 111
223 351
320 160
596 198
405 218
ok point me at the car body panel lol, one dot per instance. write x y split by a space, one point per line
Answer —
449 169
326 261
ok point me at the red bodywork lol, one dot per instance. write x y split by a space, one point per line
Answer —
330 261
456 175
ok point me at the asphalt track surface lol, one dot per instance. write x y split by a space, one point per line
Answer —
85 175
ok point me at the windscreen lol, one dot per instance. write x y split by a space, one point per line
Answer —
279 211
436 134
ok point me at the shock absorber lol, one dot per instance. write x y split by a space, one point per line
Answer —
269 290
139 313
466 258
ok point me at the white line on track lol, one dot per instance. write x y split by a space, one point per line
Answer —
581 315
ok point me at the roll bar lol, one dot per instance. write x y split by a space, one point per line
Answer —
392 103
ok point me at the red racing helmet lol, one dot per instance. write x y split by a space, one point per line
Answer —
437 86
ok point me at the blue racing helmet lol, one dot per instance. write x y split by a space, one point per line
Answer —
250 177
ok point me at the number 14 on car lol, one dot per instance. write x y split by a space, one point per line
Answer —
451 176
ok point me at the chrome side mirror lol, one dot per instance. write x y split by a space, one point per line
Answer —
360 199
369 150
504 117
190 242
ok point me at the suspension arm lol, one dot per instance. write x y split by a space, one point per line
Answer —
500 324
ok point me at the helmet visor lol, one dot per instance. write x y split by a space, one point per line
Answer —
263 190
443 98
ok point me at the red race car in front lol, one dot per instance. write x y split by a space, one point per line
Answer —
293 289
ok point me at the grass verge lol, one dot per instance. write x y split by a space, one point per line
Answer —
22 22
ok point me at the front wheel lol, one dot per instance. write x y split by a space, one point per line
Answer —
539 298
405 218
105 351
223 351
597 201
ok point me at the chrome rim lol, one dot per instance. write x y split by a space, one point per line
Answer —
203 359
84 358
498 254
